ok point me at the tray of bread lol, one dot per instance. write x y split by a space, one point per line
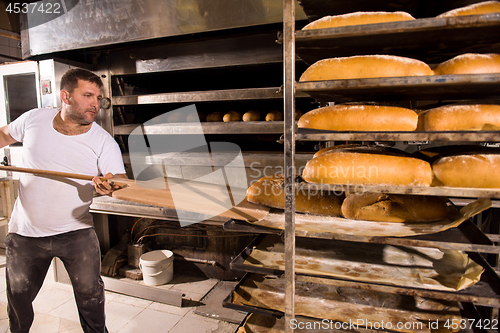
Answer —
332 303
477 121
404 266
397 33
383 77
373 191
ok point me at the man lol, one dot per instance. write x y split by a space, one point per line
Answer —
51 216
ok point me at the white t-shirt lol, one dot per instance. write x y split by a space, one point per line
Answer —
48 205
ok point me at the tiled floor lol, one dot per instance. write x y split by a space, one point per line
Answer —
56 312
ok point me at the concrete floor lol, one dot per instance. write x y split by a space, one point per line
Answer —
56 312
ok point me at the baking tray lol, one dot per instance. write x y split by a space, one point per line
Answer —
432 87
465 237
465 309
484 293
228 303
309 134
431 40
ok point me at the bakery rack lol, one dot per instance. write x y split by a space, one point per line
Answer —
427 39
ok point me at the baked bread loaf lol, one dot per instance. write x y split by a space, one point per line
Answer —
485 7
461 117
477 170
176 117
251 115
231 116
215 116
274 115
367 167
196 117
269 191
357 18
364 66
360 118
470 63
394 207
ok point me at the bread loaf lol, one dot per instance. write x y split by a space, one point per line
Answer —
394 207
468 170
470 63
251 116
274 115
176 117
360 118
269 191
359 148
357 18
231 116
215 116
462 117
485 7
352 167
196 117
365 66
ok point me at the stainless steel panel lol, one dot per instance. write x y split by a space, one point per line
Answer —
200 96
255 127
96 23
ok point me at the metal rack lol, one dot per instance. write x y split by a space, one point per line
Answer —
324 43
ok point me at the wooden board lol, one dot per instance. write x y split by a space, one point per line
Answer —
201 198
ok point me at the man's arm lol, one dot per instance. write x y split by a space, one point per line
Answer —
104 188
5 138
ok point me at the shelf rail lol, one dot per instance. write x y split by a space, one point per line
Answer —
289 151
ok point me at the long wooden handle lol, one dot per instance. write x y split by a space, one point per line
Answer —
48 173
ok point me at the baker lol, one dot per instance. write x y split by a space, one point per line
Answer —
51 216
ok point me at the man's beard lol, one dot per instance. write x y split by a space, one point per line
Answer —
80 118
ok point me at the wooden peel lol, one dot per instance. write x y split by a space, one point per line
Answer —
120 182
198 197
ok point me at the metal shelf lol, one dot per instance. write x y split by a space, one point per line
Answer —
109 205
431 40
315 9
228 301
486 292
200 96
237 127
307 134
461 238
446 191
434 87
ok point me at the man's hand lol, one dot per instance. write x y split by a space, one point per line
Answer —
103 187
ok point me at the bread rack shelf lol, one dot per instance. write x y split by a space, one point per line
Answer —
447 191
240 127
485 293
306 134
200 96
428 39
467 311
437 87
412 39
466 237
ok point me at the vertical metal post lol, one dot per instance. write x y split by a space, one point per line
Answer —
289 151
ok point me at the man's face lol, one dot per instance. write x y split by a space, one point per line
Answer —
84 102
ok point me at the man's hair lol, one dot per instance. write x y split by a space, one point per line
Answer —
69 80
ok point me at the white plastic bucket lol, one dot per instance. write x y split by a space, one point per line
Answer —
157 267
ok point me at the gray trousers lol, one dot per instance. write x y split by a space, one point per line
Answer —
28 260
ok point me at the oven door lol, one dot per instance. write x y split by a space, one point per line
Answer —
19 92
